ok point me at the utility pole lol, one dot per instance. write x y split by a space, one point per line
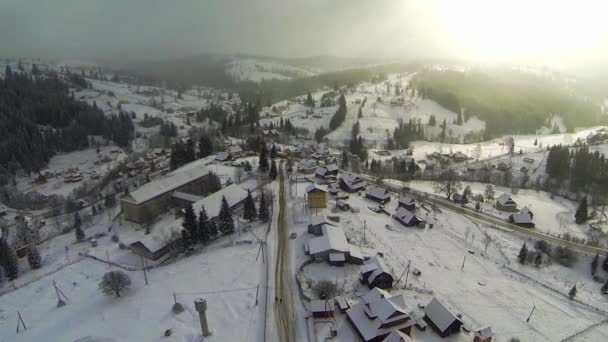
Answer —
364 227
20 322
143 268
61 297
463 261
407 269
531 312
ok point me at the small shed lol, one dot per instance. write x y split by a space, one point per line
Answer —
406 217
483 334
342 205
322 308
342 303
407 202
316 196
521 219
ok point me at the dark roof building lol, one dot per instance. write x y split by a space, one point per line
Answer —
441 319
406 217
352 183
376 274
407 202
377 194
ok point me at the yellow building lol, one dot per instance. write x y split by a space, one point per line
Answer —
316 196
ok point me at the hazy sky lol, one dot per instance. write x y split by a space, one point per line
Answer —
550 32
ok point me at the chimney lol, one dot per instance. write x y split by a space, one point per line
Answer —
201 306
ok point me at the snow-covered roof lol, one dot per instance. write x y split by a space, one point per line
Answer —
377 192
320 219
505 199
333 239
235 149
404 215
172 181
159 237
212 203
374 268
397 336
522 218
355 252
316 187
407 200
222 156
369 317
526 210
331 167
353 182
439 314
186 197
339 257
484 332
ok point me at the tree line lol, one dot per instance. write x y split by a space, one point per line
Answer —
39 117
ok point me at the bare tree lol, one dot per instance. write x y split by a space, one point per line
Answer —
448 183
114 282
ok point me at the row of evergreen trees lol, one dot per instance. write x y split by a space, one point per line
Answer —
585 171
38 117
405 133
184 152
202 229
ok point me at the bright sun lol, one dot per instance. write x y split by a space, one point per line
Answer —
537 29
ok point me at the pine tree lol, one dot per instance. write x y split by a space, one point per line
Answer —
226 223
273 152
78 228
212 230
344 163
263 161
186 239
203 226
309 100
523 254
538 260
605 288
594 264
581 214
273 171
605 264
189 223
263 214
8 260
33 258
572 292
249 210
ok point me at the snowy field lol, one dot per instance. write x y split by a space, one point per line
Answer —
551 215
249 69
491 289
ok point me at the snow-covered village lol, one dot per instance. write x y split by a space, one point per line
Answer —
247 198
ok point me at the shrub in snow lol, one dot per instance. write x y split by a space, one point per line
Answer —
33 258
325 289
115 238
114 282
122 245
177 308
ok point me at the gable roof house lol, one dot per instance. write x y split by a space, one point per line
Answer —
351 183
306 166
316 196
376 274
407 202
521 219
235 151
406 217
441 319
327 172
316 224
397 336
153 198
332 246
223 156
378 315
504 202
377 194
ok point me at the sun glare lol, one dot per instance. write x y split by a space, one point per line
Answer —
538 29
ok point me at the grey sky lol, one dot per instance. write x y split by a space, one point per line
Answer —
291 28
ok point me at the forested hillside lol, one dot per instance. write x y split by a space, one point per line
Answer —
508 101
39 117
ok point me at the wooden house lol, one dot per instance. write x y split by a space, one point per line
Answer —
441 319
377 194
407 202
316 196
376 274
504 202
